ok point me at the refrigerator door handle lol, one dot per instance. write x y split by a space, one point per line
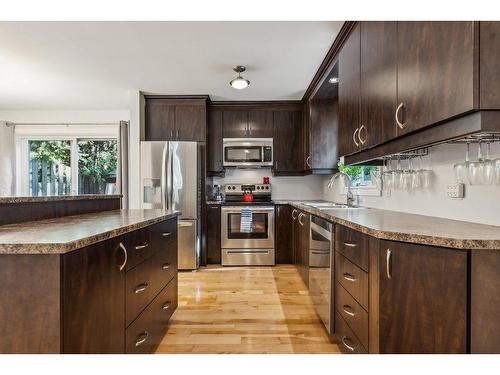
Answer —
169 179
164 176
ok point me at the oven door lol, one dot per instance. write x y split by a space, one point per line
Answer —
261 235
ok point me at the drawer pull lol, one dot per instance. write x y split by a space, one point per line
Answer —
349 277
122 266
141 288
349 310
388 263
141 339
166 234
143 246
349 244
166 266
166 305
344 342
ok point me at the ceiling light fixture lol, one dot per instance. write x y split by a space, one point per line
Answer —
239 83
334 80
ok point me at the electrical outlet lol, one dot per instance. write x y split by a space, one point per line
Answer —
455 191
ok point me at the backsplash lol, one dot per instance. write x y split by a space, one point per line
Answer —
292 187
481 203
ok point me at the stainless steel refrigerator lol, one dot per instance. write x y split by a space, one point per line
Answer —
170 174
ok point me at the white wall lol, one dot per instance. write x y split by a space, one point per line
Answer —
300 187
481 203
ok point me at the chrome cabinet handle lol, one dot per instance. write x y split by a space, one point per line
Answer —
166 234
301 215
344 339
166 266
388 262
349 277
141 339
359 134
308 161
139 247
122 266
354 136
400 124
166 305
177 134
349 244
171 133
294 211
141 288
348 310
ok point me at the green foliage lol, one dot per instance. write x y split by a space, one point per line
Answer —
357 173
58 152
97 159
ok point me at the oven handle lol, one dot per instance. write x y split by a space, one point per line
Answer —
248 251
234 210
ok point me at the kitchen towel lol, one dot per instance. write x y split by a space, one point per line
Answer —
246 220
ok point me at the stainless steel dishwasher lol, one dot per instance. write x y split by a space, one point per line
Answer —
320 268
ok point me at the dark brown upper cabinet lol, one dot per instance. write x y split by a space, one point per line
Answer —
288 142
423 299
214 143
322 126
235 124
378 95
175 119
436 75
349 93
243 123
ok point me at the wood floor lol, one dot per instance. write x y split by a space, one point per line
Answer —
245 310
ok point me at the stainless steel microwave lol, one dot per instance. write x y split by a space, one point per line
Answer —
248 152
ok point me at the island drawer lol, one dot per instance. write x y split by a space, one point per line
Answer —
353 245
146 332
138 247
353 279
352 313
348 342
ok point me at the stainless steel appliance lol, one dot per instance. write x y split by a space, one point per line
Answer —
320 268
256 246
170 174
248 152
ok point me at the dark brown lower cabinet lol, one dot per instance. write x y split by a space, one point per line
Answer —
422 299
213 234
94 298
301 244
283 235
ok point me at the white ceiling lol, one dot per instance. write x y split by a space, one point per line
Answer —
93 65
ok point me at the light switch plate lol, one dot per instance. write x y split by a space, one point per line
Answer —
455 191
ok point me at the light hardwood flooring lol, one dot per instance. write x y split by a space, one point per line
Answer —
245 310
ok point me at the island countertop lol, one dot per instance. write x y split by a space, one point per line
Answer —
406 227
65 234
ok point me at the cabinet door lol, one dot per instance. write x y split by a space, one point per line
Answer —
303 246
435 72
214 142
288 142
423 299
378 82
260 124
213 234
349 91
160 120
323 133
283 235
94 299
235 124
190 122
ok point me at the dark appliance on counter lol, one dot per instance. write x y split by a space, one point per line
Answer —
254 246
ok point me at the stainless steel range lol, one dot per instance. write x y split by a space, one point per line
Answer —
247 228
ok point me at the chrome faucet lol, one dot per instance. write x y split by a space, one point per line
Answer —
350 196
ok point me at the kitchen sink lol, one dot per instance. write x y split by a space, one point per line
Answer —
331 205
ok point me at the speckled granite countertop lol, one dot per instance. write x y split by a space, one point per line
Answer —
57 198
65 234
404 227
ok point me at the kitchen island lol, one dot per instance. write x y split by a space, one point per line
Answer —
101 282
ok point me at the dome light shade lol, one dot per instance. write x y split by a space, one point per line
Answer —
239 83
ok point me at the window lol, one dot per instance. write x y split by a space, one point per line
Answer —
67 160
364 179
